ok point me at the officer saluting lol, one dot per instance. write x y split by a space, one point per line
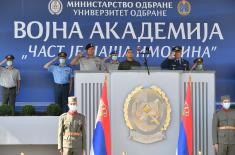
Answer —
63 78
10 81
90 62
198 64
71 131
174 61
223 129
112 62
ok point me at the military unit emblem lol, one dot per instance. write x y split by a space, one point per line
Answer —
147 113
55 7
184 7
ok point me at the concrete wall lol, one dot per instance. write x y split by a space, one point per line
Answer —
28 150
32 135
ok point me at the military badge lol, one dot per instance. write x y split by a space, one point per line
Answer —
147 114
184 7
55 7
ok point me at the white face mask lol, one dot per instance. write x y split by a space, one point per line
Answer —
62 61
200 67
226 105
72 107
114 57
9 63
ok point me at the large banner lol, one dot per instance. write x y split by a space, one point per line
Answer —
34 31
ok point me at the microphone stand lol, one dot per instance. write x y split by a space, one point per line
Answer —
147 52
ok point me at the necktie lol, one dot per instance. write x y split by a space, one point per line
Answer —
179 61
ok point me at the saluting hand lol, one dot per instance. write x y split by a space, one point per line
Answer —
172 55
56 58
5 60
79 55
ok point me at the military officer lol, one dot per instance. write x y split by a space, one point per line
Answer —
112 62
174 61
129 62
198 64
89 62
71 131
223 129
10 81
63 79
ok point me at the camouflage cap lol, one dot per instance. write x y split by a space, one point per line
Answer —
72 99
225 97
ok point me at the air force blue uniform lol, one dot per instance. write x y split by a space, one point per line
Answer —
62 76
175 64
180 64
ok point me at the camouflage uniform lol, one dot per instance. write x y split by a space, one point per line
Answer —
223 131
72 134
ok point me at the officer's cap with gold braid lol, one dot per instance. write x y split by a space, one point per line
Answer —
62 55
114 53
72 99
225 97
176 49
198 60
10 57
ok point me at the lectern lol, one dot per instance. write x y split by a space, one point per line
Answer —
146 109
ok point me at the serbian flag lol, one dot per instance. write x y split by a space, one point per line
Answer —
101 144
185 141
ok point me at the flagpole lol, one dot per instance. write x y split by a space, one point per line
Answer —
108 96
190 82
185 140
106 76
102 128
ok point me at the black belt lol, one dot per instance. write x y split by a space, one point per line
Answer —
9 88
62 84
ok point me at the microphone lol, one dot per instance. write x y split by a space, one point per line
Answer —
138 49
185 66
146 52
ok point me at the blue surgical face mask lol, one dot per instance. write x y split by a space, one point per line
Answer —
9 63
200 67
226 105
62 61
114 57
